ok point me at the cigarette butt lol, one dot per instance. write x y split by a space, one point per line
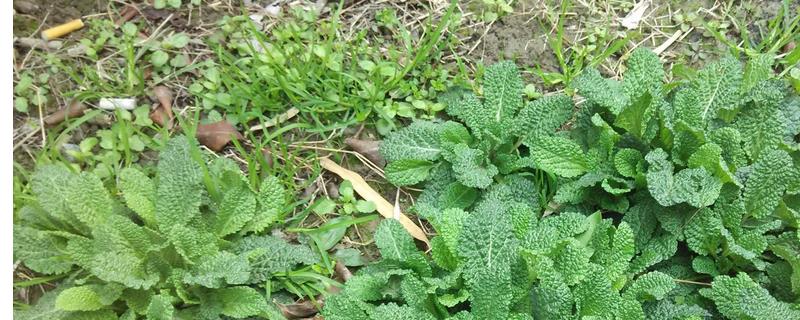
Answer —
61 30
117 103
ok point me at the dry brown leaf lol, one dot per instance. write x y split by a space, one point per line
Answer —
385 208
162 113
278 119
298 310
73 110
342 271
160 116
268 157
368 148
126 14
216 135
789 47
163 95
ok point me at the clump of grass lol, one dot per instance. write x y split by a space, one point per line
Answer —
304 61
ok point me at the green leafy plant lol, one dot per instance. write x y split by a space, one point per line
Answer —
110 150
710 160
174 4
702 171
334 81
338 214
487 152
183 244
164 53
491 10
30 90
572 58
346 202
502 262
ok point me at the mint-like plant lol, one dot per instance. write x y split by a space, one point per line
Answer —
169 248
711 162
502 262
713 158
704 172
487 149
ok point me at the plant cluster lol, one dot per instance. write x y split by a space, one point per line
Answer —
303 62
187 243
345 204
486 152
670 200
660 195
113 64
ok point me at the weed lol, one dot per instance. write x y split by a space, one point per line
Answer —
573 59
772 39
304 63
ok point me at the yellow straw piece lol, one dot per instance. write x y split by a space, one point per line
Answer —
61 30
386 209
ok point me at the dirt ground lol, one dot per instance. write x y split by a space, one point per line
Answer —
523 35
30 13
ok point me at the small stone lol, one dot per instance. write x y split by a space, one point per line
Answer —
272 11
55 45
256 18
26 7
30 43
76 51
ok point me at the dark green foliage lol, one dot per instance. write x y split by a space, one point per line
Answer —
174 250
569 265
718 167
498 138
698 181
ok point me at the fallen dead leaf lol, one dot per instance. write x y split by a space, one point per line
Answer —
160 116
789 47
368 148
278 119
127 14
73 110
216 135
342 271
163 95
267 153
162 113
298 310
385 208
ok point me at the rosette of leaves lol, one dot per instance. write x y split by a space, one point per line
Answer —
703 169
710 162
183 244
487 144
502 262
